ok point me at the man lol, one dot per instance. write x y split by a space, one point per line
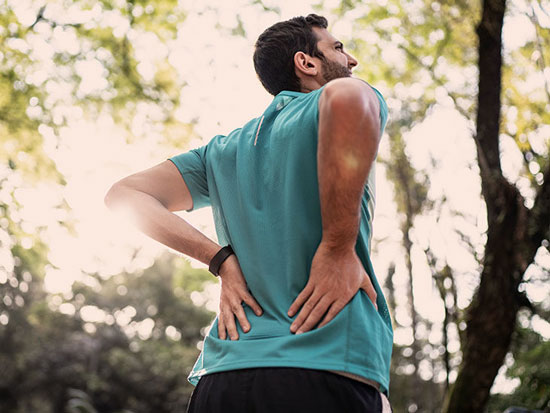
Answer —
303 325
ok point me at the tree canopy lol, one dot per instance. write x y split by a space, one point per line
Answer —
465 158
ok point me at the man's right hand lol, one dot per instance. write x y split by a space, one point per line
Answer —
335 277
233 293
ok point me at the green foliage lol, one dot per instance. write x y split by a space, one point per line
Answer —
424 56
188 278
129 345
20 143
531 368
52 360
160 292
411 186
415 45
33 93
79 402
405 388
525 111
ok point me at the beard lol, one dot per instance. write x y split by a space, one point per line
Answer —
333 70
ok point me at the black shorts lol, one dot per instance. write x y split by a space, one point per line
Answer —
284 390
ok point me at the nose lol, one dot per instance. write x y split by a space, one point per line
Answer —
351 61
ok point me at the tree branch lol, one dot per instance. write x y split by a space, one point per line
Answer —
542 62
489 32
437 81
543 9
538 225
39 16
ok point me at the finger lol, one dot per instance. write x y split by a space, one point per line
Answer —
334 309
221 328
305 311
252 303
369 289
300 300
238 310
230 325
315 315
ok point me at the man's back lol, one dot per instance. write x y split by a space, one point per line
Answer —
288 192
262 183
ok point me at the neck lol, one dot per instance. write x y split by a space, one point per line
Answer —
309 86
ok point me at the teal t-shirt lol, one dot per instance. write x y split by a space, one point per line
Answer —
261 181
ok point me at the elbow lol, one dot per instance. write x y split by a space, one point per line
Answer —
109 198
112 197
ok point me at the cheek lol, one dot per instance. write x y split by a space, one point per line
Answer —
342 59
335 56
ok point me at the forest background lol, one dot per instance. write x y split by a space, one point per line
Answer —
94 317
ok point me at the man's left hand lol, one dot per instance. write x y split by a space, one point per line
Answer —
335 277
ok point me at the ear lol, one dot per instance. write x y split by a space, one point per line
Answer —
305 64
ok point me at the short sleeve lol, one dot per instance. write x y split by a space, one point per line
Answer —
192 167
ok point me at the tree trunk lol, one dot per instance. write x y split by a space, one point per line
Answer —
407 244
440 284
390 293
491 318
451 309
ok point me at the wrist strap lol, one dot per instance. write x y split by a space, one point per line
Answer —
218 259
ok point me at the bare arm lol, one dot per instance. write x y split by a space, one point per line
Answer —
349 129
150 197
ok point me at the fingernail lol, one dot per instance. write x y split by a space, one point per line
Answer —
299 332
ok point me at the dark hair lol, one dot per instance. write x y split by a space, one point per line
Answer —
276 47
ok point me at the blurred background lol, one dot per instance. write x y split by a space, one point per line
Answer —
95 317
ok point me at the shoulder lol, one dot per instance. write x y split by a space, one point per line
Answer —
349 91
348 86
